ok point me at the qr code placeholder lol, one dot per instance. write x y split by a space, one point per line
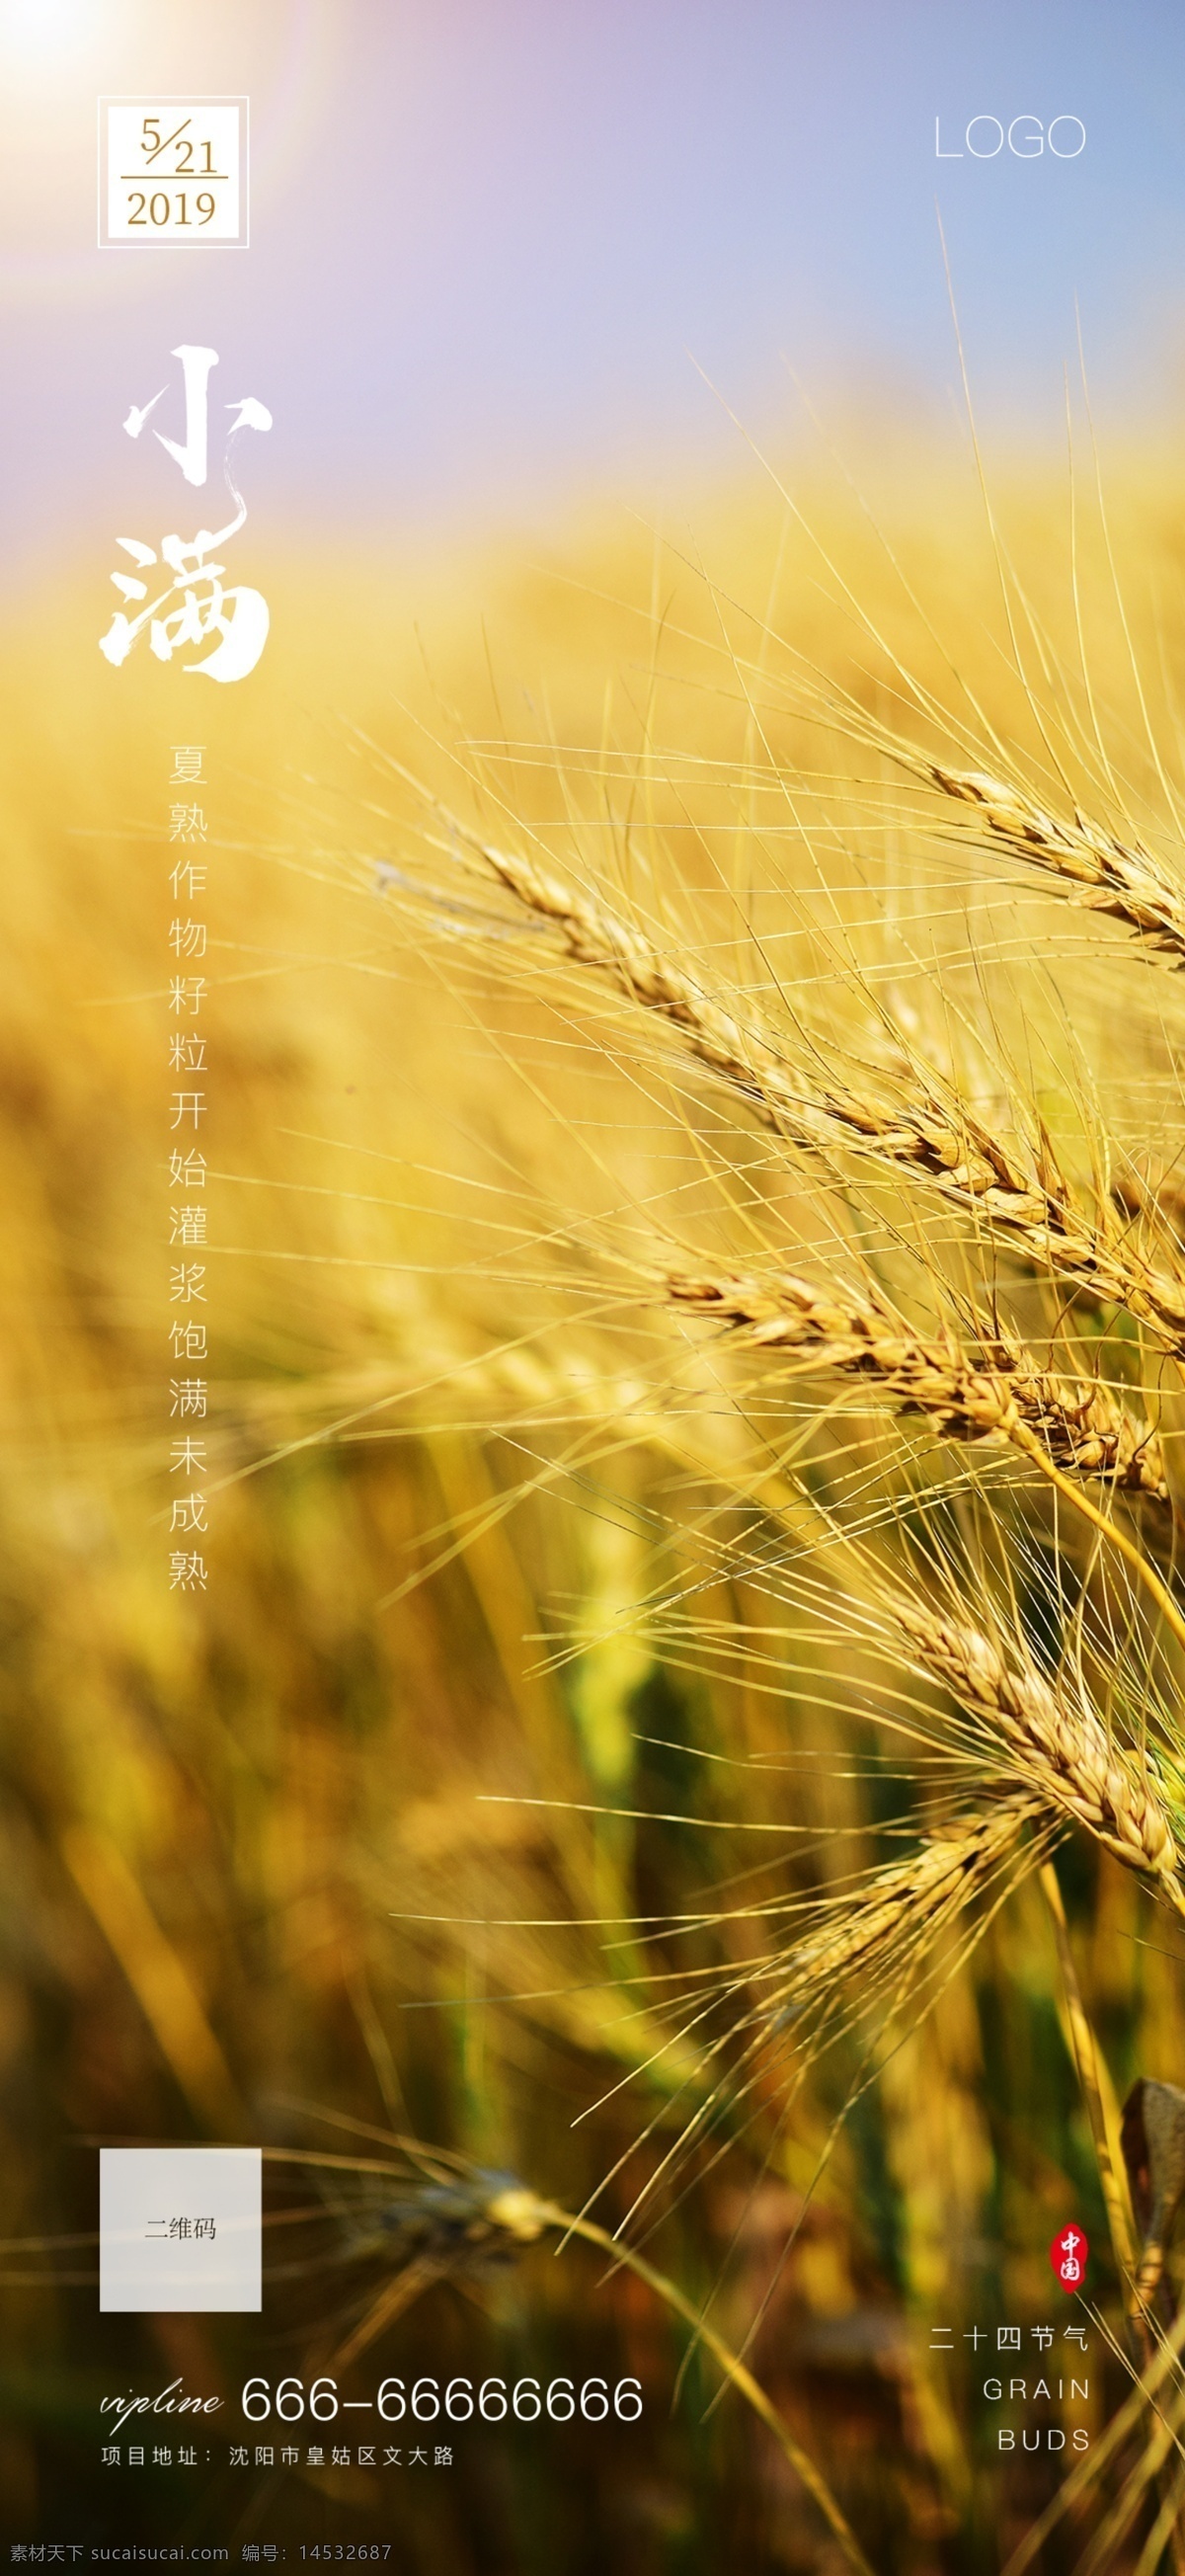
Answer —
180 2228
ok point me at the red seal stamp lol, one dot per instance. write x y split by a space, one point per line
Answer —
1068 2254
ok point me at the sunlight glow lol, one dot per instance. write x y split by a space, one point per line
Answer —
32 28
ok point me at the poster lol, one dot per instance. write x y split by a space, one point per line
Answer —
593 1841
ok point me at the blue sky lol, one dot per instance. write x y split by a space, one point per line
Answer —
495 241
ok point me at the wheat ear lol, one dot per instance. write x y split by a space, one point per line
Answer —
912 1899
1066 1750
1093 869
1098 870
994 1391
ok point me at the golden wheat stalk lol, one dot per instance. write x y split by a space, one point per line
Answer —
1067 1752
1092 868
907 1134
995 1391
884 1923
1096 869
1064 1744
905 1905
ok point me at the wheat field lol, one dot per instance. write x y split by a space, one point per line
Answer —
675 1788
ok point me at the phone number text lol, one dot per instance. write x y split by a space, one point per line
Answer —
455 2401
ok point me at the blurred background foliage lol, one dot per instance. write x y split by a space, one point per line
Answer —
245 1861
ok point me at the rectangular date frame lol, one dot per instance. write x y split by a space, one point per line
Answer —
168 238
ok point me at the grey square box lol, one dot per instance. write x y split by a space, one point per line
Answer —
180 2228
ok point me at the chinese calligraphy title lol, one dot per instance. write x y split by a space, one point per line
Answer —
237 617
